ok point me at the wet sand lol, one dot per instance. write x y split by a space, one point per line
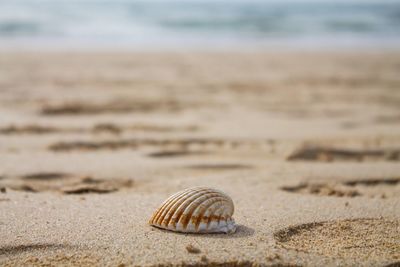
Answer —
307 144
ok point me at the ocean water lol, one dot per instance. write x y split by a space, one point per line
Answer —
133 23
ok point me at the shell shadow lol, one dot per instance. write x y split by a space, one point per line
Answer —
241 232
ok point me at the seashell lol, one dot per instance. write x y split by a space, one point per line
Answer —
196 210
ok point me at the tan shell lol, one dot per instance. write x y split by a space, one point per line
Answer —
196 210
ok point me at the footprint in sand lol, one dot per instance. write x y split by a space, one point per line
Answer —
321 189
115 106
28 129
45 176
179 144
175 153
325 154
65 183
182 144
219 167
100 128
359 239
383 188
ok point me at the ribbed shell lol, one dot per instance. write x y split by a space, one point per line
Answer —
196 210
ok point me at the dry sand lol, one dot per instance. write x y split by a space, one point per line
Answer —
306 144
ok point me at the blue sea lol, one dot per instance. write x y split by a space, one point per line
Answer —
191 23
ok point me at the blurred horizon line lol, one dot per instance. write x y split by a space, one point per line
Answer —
362 23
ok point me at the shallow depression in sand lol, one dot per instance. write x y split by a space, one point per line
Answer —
50 255
361 239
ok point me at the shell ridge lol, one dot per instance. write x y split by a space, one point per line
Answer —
212 214
169 212
175 214
228 198
200 209
167 204
201 214
164 205
199 202
229 201
209 197
180 211
191 209
204 212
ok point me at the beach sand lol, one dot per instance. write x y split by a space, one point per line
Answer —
307 144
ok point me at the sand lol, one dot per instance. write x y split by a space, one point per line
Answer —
306 143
